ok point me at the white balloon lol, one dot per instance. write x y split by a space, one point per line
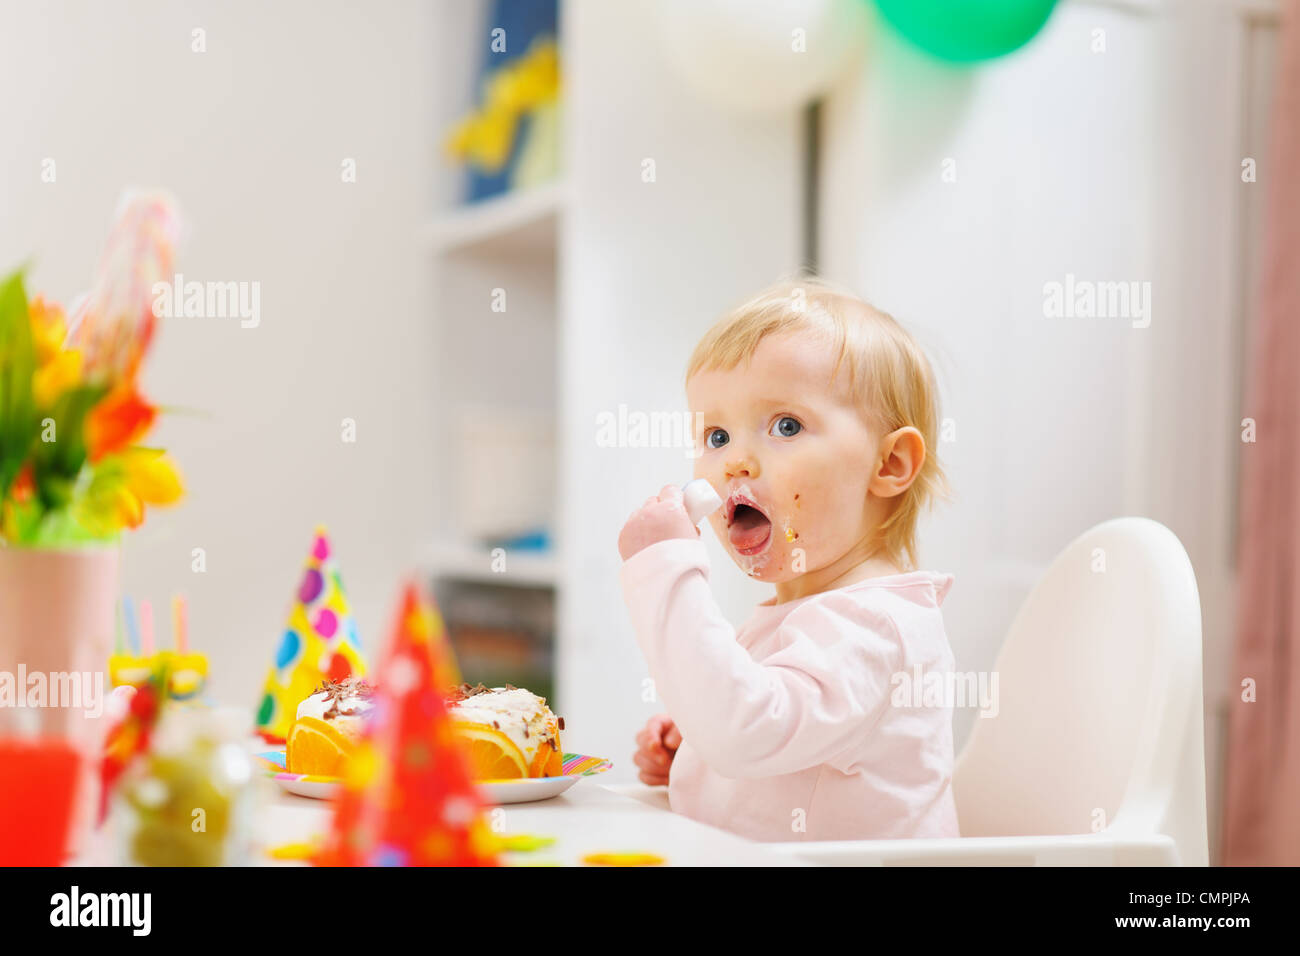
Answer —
762 55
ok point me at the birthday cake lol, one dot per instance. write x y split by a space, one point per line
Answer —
328 727
509 731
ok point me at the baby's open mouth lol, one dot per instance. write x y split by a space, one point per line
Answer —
748 528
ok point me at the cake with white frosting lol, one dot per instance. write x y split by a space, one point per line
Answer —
345 705
516 714
509 732
328 727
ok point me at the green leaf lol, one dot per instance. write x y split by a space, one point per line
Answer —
56 464
59 528
18 423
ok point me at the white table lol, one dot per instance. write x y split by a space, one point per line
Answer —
588 818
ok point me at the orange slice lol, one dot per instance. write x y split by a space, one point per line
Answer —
493 755
547 762
316 747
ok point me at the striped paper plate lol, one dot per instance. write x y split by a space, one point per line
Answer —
576 766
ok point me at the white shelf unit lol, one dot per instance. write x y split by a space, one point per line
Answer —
465 562
515 224
495 383
496 364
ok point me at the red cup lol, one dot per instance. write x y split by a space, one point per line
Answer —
38 791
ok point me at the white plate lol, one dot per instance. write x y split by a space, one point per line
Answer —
526 791
316 789
576 767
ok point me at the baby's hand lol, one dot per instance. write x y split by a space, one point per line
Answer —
657 744
659 519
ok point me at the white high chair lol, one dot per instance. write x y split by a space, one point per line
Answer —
1100 719
1096 755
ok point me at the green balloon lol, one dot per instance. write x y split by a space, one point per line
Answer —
967 30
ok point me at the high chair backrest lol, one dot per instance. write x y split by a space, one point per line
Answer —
1099 717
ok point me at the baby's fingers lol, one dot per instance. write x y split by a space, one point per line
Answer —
651 756
646 738
651 763
657 724
653 780
655 729
670 493
672 739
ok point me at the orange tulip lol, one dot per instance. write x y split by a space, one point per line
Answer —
122 418
24 485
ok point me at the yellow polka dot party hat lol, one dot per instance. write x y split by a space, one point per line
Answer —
319 642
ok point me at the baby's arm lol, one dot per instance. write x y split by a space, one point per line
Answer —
799 708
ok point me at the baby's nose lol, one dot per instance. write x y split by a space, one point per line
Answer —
744 466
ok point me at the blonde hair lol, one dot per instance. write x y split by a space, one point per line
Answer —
890 378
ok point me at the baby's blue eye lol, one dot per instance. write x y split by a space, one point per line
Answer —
785 427
717 438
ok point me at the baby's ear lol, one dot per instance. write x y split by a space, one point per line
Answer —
902 453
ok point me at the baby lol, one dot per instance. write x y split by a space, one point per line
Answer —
819 420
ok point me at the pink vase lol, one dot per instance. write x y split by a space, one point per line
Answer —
56 629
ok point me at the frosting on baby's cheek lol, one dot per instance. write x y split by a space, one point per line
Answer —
754 564
794 540
788 524
786 554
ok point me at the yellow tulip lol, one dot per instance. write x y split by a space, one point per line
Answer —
55 377
49 329
152 477
110 507
123 484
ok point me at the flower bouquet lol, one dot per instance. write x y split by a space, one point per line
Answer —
73 474
72 466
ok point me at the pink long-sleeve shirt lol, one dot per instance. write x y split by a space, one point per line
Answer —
796 727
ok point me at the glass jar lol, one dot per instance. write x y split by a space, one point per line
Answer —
188 800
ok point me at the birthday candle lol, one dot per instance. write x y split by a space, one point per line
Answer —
146 628
132 632
178 622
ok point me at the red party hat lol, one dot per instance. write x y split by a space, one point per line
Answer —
446 674
408 797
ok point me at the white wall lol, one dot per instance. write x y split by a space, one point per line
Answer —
1111 166
250 137
1052 177
1119 165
